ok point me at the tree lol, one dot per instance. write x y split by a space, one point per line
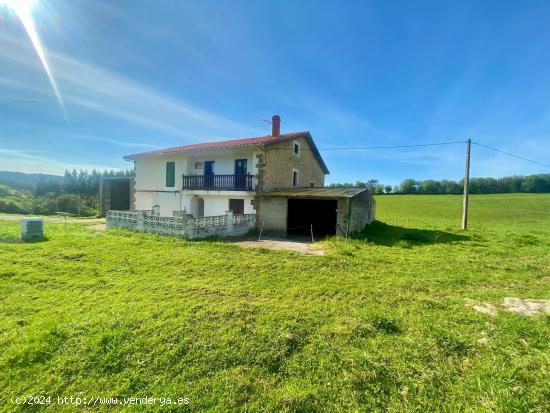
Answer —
409 186
388 189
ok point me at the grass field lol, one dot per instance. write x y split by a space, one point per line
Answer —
382 322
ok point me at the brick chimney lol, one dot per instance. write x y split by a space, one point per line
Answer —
276 126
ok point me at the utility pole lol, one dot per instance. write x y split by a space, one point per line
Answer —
466 186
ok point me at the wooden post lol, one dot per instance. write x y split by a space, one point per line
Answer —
466 186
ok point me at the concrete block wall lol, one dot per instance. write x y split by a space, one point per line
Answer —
271 214
359 211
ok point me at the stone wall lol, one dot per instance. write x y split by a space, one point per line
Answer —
279 161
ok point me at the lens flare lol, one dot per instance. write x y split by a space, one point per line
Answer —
23 10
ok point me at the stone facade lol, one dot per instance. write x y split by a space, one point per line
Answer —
279 161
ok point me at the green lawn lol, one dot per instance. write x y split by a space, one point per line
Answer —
380 323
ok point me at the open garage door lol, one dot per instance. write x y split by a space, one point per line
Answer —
305 213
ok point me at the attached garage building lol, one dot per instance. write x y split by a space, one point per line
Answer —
325 211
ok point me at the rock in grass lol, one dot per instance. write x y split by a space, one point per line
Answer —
527 307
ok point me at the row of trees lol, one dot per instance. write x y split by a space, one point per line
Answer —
76 192
81 182
531 183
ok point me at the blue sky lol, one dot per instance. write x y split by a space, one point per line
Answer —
138 75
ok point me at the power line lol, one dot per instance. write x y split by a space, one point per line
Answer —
510 154
390 147
358 148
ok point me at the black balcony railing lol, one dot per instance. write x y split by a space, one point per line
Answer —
221 182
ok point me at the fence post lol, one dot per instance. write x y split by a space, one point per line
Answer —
140 227
229 221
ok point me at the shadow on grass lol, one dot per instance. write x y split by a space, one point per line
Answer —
380 233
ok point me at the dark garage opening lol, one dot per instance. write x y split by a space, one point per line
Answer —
120 194
304 213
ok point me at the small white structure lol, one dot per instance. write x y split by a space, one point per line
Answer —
32 229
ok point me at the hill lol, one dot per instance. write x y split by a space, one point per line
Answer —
21 180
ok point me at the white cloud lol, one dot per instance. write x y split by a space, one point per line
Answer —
22 161
117 142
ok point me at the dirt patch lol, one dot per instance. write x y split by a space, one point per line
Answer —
284 244
59 220
485 308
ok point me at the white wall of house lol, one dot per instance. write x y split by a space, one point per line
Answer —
224 161
144 201
151 172
218 204
150 182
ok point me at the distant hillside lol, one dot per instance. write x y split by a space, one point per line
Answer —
12 200
20 180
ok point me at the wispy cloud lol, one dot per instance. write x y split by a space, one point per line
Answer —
97 89
111 141
23 161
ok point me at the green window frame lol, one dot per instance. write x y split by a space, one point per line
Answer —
170 174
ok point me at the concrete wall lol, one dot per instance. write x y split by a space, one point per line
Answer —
280 161
358 211
271 212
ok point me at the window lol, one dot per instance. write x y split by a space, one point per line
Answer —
237 206
296 149
170 174
294 177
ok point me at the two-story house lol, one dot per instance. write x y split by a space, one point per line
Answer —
209 178
246 176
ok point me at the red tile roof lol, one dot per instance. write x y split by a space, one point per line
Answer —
233 143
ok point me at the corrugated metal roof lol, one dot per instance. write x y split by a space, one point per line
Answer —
316 192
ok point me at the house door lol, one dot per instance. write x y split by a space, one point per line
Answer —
237 206
240 173
209 174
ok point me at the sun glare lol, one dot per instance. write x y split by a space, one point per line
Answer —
23 10
19 6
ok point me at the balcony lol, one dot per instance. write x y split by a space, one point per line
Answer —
219 182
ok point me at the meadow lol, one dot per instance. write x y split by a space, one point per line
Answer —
381 322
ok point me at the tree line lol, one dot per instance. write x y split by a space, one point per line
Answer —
539 183
76 192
